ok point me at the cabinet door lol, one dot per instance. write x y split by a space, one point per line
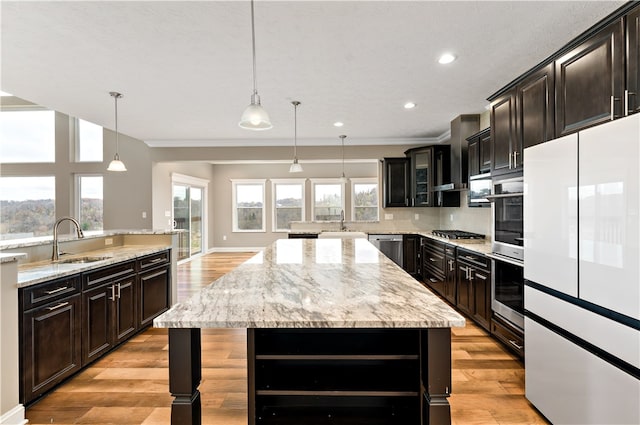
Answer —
503 132
473 150
482 298
464 300
590 81
450 280
97 338
633 62
535 106
51 351
124 310
395 180
485 153
421 178
153 295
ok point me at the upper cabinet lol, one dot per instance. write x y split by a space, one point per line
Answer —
632 99
431 166
479 153
594 79
395 181
590 81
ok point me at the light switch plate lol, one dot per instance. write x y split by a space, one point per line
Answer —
388 216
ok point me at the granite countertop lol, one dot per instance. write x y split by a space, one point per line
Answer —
44 240
42 271
314 283
10 257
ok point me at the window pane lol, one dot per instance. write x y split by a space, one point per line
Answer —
27 136
249 206
27 207
366 213
288 204
365 194
89 141
327 202
91 205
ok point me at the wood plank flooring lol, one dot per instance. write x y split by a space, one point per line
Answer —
131 386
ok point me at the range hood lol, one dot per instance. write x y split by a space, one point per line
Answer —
462 127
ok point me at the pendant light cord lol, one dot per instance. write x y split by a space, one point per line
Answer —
117 142
253 44
295 130
342 138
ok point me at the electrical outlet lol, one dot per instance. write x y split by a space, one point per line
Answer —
450 217
388 216
108 241
144 214
167 213
224 237
416 216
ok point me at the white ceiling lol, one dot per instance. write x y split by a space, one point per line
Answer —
185 67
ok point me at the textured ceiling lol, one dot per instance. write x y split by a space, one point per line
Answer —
185 67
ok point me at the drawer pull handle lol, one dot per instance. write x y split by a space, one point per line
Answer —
433 280
515 344
469 257
57 306
433 260
55 291
479 276
155 260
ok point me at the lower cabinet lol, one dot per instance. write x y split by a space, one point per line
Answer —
70 322
474 286
411 256
509 335
450 279
433 260
50 348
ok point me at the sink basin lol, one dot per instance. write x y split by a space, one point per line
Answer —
80 260
340 235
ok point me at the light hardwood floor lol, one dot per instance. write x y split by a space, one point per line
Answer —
130 385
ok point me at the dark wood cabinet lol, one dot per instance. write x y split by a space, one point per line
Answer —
411 255
50 349
535 108
109 309
509 335
506 150
632 94
433 264
430 166
474 286
590 81
450 279
395 179
479 153
154 286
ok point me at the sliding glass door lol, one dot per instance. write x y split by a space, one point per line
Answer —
188 215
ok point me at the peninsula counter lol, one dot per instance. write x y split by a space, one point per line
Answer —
337 334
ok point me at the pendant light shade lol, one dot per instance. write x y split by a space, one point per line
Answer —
254 116
116 164
343 177
295 167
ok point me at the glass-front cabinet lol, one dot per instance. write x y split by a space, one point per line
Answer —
421 177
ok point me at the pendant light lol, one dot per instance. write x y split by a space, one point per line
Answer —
116 164
254 117
342 137
295 167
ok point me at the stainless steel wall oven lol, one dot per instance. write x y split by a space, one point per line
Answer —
507 290
508 234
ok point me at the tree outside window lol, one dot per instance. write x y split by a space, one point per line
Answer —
288 203
27 206
364 199
328 200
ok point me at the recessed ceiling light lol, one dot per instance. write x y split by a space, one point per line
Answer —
409 105
338 124
446 58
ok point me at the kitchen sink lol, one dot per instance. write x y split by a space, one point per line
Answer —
81 260
342 235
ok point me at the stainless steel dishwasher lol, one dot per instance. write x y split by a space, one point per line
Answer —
389 245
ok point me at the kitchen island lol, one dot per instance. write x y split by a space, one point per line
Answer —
336 333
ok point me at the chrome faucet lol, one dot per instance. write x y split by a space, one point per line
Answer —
56 253
342 226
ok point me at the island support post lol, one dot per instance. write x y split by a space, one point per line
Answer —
185 373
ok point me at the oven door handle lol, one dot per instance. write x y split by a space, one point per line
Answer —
492 198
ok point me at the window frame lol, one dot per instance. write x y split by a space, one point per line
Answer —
234 210
321 181
77 195
39 176
20 107
363 180
74 130
274 183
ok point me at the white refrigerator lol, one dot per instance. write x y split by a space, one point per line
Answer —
582 275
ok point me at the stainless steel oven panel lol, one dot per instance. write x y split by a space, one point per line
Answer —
501 309
507 235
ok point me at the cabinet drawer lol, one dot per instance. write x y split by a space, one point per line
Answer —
450 250
433 260
153 260
37 295
474 258
508 335
108 274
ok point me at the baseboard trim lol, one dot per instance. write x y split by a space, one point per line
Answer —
14 416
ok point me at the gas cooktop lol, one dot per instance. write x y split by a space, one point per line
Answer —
457 234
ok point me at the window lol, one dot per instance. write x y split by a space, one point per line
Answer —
90 202
248 205
27 206
288 203
89 139
27 136
364 199
328 199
